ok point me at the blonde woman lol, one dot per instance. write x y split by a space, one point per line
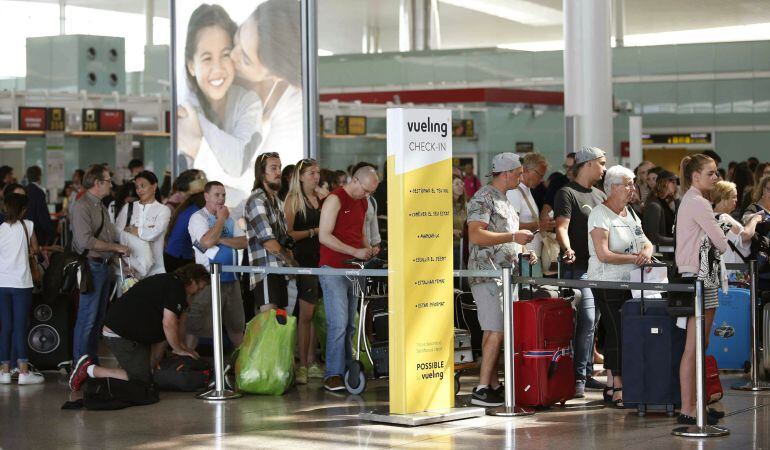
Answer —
302 209
724 197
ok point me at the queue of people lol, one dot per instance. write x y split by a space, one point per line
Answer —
604 230
603 222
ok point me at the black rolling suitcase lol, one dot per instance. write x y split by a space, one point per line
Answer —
652 351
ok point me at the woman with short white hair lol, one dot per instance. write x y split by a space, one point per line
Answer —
617 246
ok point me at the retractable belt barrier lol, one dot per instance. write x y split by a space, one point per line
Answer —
509 281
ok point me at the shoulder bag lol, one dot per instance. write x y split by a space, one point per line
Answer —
34 265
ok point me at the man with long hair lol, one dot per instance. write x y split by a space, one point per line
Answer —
266 231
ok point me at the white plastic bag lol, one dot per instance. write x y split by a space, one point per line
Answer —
140 257
651 275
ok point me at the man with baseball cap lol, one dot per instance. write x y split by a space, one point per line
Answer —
573 204
495 241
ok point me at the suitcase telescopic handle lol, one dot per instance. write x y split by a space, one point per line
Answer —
653 264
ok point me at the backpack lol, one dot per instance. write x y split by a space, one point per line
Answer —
181 373
113 393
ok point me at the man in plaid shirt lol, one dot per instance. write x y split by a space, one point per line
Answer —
265 225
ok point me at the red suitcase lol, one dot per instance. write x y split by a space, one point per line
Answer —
714 390
544 365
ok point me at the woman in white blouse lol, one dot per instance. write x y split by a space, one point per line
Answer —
724 197
148 218
616 246
16 241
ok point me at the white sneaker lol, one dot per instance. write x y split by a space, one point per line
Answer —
5 377
31 377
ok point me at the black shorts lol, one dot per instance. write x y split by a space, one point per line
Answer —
307 288
277 292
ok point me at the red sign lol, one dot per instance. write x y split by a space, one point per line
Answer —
32 119
112 120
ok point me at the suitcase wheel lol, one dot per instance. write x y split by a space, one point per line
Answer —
355 378
641 410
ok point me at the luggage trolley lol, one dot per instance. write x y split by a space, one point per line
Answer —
369 290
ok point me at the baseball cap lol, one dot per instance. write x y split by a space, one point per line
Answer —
503 162
588 154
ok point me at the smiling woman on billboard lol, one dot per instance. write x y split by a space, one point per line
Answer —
241 93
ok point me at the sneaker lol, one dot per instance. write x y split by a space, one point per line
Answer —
580 388
5 377
684 419
300 375
315 371
594 385
80 373
486 397
31 377
334 384
500 390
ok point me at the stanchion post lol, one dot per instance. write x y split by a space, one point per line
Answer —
754 384
219 392
509 409
700 429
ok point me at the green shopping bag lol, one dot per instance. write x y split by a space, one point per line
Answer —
319 323
265 363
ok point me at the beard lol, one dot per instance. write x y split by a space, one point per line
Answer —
273 186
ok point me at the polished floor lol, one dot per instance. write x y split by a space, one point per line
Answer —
309 418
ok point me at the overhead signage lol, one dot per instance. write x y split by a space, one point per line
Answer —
32 119
677 138
41 119
350 125
111 120
525 147
463 128
420 283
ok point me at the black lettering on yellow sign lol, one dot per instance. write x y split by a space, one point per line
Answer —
350 125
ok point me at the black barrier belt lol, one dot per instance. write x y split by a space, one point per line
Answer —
606 284
737 266
347 272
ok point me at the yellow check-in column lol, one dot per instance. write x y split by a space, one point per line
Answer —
421 321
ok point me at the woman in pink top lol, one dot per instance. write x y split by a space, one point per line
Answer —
697 231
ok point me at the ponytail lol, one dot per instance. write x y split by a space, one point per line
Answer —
690 165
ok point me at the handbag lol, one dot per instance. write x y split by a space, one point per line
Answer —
680 304
34 266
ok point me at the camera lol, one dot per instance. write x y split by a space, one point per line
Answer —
286 242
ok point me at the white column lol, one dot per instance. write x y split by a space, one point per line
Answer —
588 71
149 15
619 14
635 154
62 17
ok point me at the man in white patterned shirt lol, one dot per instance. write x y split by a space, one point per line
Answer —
265 228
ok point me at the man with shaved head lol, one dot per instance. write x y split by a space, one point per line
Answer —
342 237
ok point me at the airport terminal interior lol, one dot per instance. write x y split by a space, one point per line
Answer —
236 149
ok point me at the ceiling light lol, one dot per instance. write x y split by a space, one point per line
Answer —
520 11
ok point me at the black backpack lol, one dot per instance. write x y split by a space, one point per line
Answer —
112 393
181 373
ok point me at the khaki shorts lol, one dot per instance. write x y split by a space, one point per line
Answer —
233 318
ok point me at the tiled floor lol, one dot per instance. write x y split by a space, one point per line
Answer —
308 418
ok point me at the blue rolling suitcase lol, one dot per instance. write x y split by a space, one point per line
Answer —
730 339
652 350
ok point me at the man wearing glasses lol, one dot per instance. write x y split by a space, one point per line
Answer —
342 237
535 167
95 237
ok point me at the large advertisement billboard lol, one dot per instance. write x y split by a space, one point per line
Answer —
238 87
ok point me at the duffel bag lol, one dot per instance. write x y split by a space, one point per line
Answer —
181 373
113 393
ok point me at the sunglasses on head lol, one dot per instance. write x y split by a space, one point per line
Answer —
304 163
267 155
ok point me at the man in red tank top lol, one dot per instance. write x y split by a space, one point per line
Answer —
341 233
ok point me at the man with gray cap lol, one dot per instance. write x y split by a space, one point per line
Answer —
495 240
572 206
